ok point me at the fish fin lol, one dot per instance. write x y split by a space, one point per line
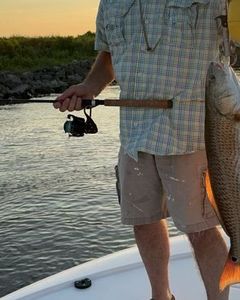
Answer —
211 197
230 275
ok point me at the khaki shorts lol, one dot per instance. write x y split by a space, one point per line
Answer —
156 187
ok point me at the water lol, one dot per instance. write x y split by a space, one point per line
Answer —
58 202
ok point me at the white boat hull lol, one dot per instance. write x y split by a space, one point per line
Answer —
121 276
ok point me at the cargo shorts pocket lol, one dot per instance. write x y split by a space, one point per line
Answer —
118 184
207 209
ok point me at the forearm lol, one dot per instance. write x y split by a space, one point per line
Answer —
101 73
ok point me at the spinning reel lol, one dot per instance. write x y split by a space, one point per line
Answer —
76 126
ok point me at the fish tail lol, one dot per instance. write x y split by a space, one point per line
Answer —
231 273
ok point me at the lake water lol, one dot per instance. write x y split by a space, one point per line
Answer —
57 194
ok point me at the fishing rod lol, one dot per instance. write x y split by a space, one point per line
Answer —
90 103
77 126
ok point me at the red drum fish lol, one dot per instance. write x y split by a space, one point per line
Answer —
222 138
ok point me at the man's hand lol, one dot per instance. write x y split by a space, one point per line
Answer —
98 78
71 98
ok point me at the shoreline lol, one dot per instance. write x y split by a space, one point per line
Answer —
42 82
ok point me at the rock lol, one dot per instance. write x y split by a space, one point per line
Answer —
46 77
60 74
12 81
26 76
3 89
44 81
21 89
41 88
74 79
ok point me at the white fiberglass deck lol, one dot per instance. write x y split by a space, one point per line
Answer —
121 276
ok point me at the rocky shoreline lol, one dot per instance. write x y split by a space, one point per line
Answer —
25 85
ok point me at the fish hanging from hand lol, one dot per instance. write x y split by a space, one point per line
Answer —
222 138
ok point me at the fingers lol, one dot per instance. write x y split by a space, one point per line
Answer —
75 103
78 105
68 93
57 104
62 102
64 105
70 104
69 100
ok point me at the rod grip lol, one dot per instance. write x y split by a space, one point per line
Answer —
139 103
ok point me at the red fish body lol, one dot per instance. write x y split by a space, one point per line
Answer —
222 138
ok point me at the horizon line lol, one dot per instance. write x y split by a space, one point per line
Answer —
50 35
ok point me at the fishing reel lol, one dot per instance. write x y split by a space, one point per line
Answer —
76 126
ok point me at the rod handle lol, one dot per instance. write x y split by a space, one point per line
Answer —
139 103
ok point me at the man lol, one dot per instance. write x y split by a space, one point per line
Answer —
161 49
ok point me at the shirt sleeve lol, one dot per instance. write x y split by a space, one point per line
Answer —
101 43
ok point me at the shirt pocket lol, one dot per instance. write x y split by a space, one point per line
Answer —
181 20
114 21
114 32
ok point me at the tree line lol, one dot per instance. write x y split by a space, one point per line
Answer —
19 53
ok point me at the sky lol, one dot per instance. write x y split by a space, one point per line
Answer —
47 17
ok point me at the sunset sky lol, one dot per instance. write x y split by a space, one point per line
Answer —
47 17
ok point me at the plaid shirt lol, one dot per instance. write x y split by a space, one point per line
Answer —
188 40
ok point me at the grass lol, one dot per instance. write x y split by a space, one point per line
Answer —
19 53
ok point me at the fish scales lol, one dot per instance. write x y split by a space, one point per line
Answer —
222 139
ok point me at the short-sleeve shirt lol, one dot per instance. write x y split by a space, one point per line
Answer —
186 38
